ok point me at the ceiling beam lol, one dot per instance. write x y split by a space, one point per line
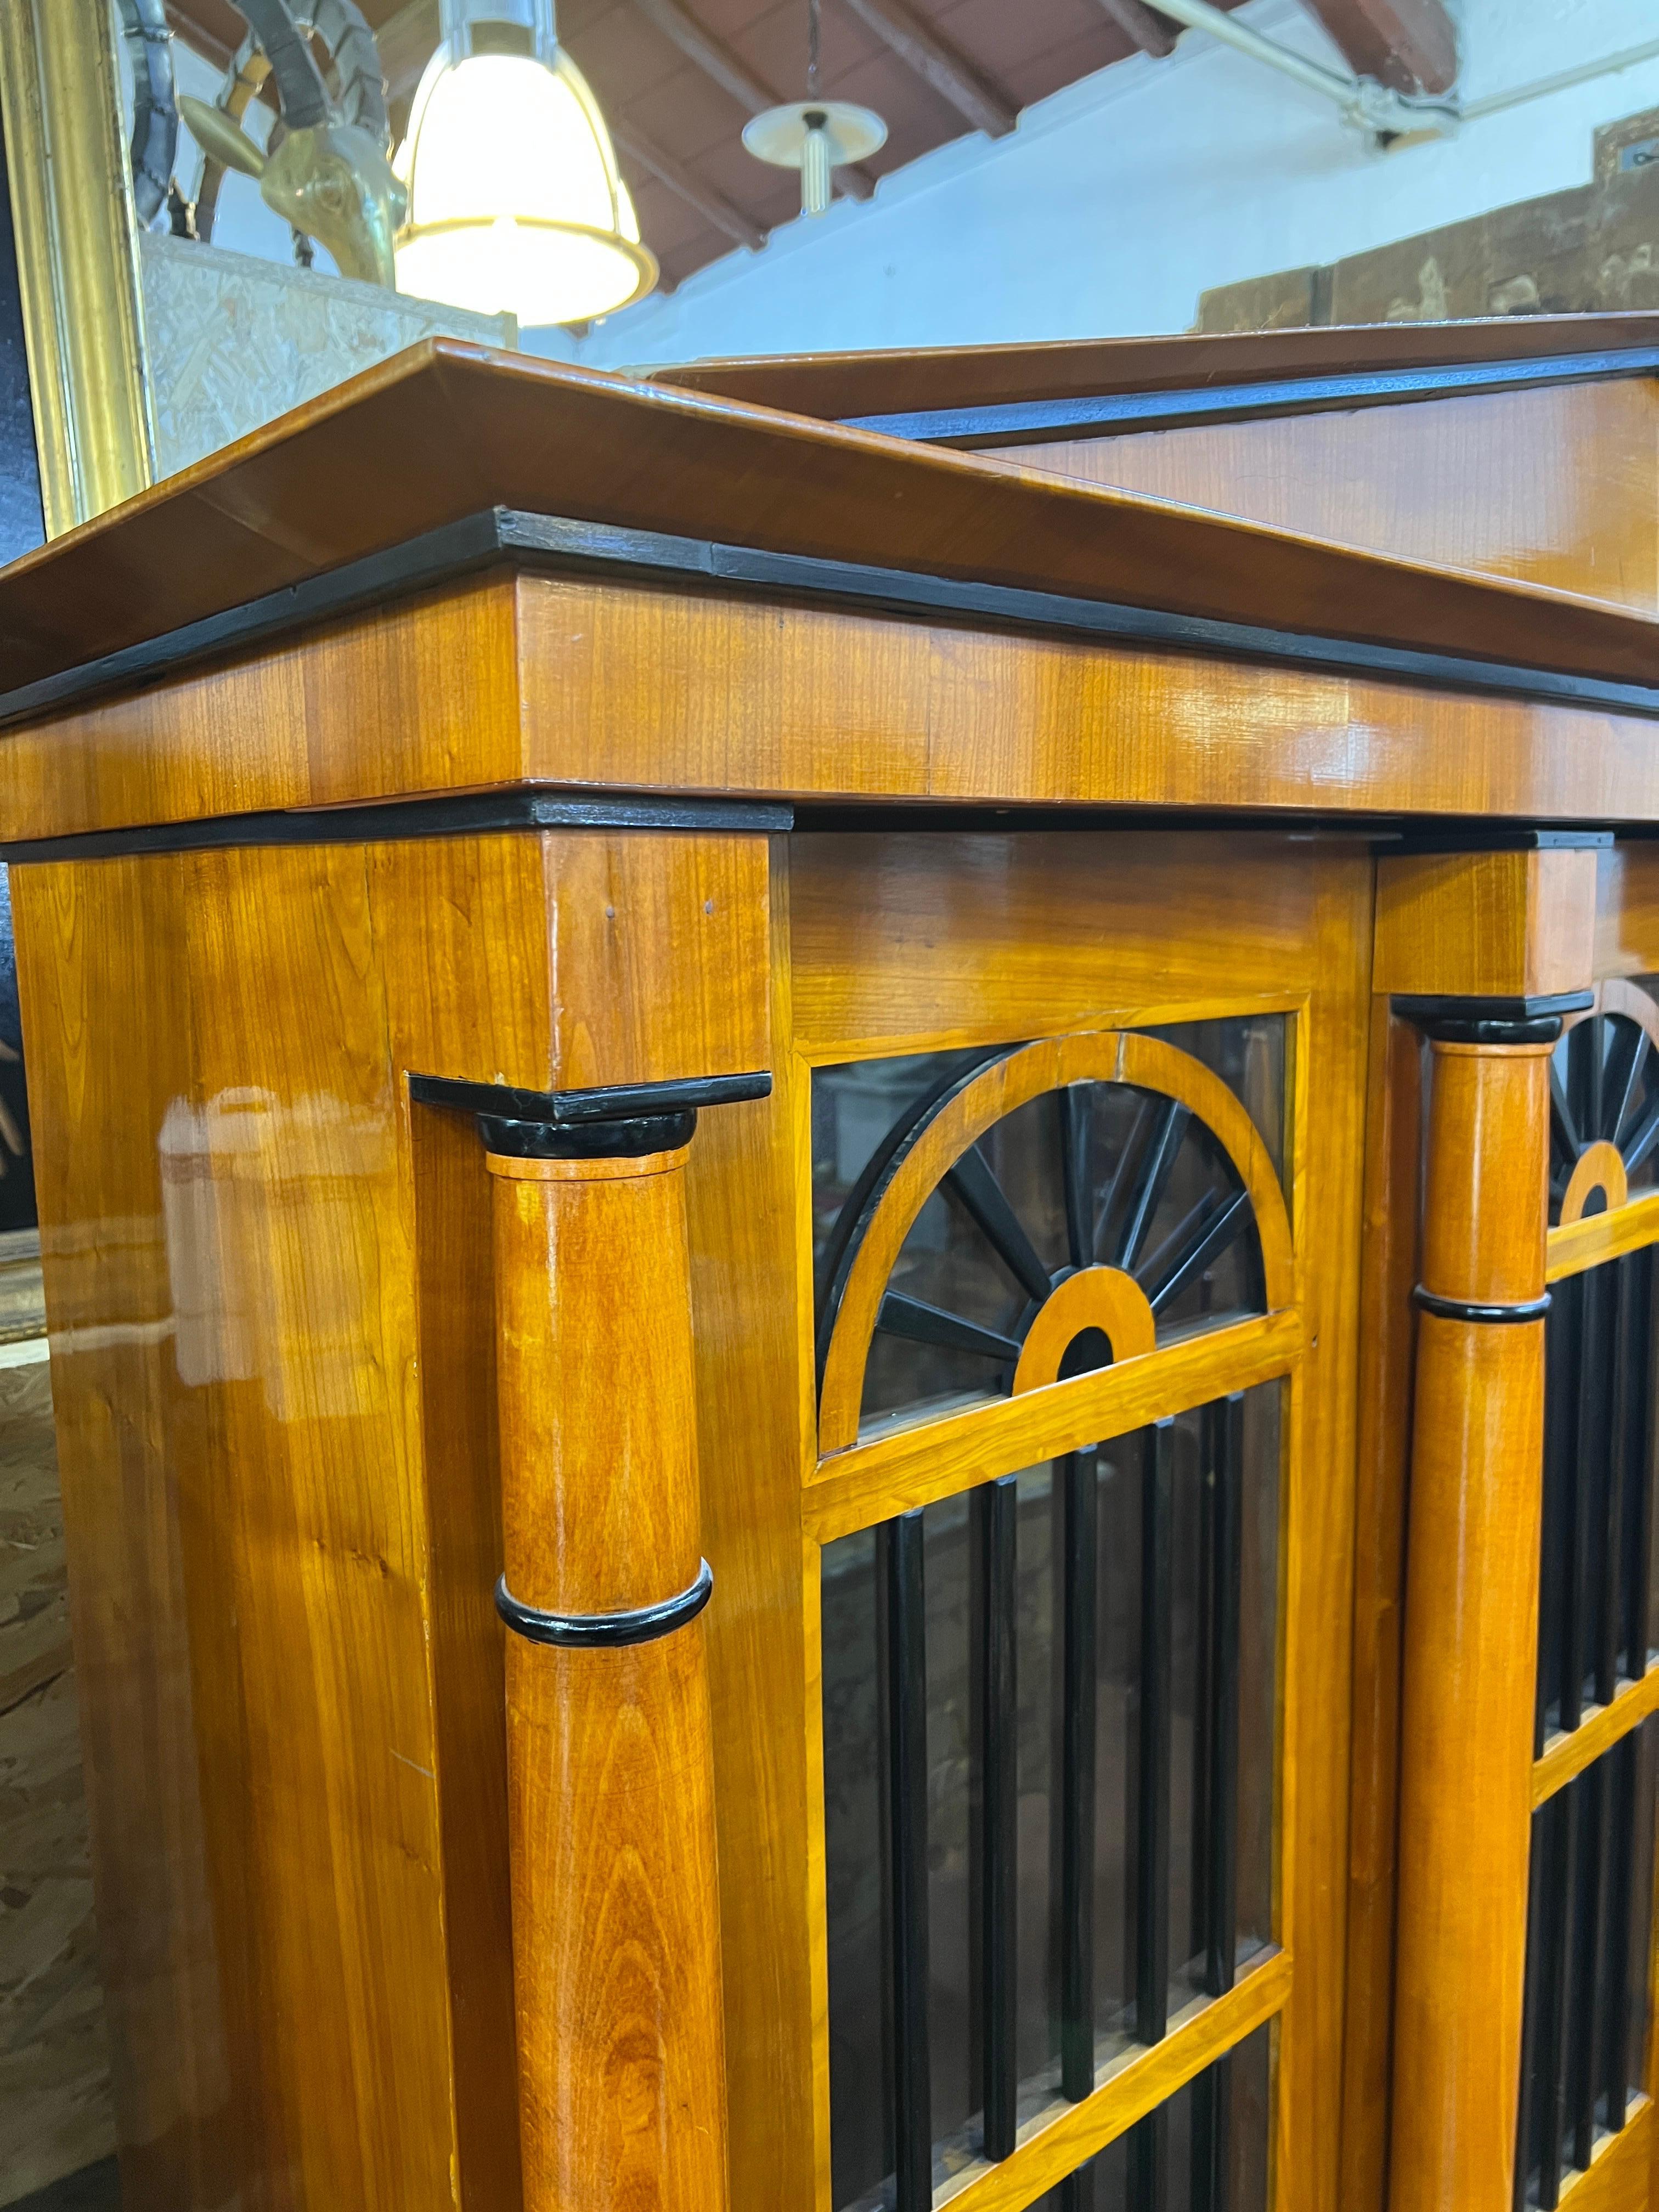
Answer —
714 206
1408 43
919 45
732 73
1153 34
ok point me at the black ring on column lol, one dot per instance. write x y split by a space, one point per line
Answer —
1430 1302
606 1631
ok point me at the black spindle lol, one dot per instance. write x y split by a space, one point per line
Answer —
1152 1854
996 1520
1213 2128
1612 2005
1635 1425
1588 1815
1557 1828
1578 1582
1527 2126
1077 2191
1149 2163
1080 1510
904 1608
1560 1429
1224 1491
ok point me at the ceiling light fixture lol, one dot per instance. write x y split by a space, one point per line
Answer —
812 135
516 204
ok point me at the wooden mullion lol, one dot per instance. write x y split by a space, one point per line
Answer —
931 1459
1570 1751
1060 2138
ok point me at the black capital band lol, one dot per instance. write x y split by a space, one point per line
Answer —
606 1631
1430 1302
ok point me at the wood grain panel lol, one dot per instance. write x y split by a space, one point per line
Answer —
1502 924
633 687
1393 1138
1431 479
299 1876
339 479
1471 1603
749 1197
834 385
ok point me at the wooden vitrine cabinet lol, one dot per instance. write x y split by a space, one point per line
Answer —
768 1157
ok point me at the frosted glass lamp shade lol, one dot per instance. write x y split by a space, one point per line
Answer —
515 203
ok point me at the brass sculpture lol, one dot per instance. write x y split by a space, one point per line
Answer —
327 172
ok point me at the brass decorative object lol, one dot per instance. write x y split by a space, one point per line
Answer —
72 213
325 174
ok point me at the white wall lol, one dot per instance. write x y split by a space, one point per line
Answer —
1117 201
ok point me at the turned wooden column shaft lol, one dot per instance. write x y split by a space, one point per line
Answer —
616 1932
1471 1617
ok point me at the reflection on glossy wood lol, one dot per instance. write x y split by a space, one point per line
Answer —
274 1505
1471 1649
615 1927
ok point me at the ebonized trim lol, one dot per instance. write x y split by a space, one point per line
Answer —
606 1631
1104 414
554 545
1430 1302
387 821
1494 1020
634 1138
618 1101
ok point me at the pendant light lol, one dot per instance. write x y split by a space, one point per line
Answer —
516 205
812 135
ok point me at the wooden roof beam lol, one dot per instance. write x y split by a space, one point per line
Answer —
732 73
945 67
714 206
1153 34
1409 45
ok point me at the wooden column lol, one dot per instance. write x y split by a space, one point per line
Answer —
1513 927
1471 1623
616 1932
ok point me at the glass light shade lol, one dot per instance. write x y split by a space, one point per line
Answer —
515 204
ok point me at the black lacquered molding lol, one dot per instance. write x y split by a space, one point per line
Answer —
904 1605
606 1631
1156 1643
634 1138
1430 1302
613 1102
1536 1020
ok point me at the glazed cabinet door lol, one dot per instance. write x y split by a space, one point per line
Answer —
1027 1309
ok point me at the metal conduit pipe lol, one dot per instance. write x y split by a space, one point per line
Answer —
1363 101
1371 107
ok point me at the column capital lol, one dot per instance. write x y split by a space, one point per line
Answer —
1488 945
1445 1019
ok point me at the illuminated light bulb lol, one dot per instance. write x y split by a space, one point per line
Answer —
515 203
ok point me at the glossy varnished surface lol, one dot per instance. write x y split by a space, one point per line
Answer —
616 1928
267 1284
1433 480
334 481
878 383
1472 1606
634 687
